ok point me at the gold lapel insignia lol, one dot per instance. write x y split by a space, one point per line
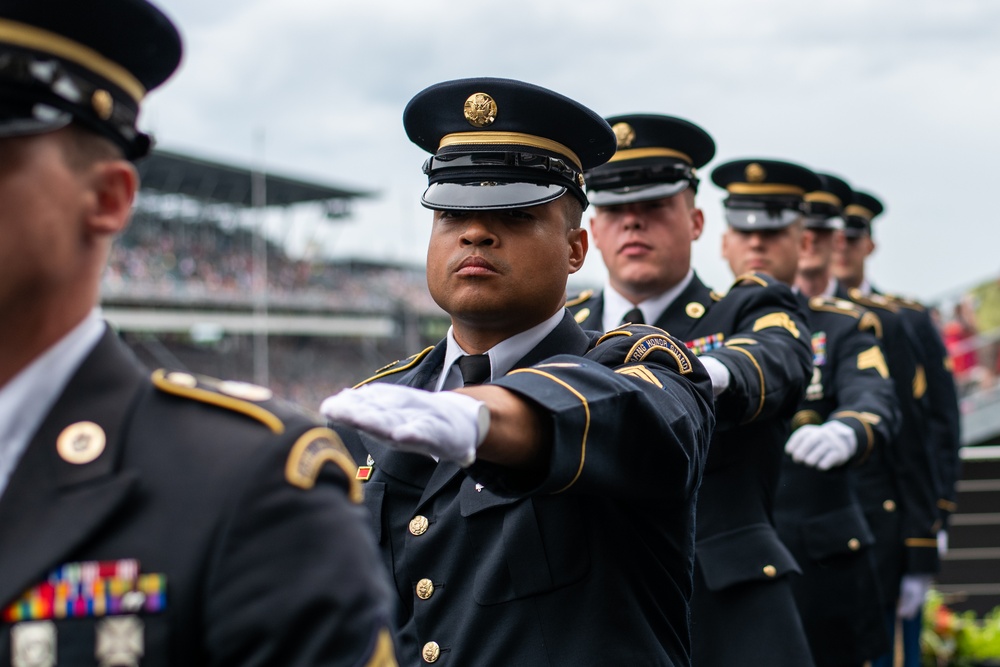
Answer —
694 310
480 110
582 315
81 442
120 642
33 644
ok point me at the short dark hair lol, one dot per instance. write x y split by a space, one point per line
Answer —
87 147
573 210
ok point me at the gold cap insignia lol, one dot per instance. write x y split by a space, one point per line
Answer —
694 310
480 110
755 173
81 442
103 103
625 134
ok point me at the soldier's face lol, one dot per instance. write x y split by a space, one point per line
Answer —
646 246
503 271
44 201
773 251
817 251
849 257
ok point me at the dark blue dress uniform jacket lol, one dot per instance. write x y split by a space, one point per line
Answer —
940 403
590 566
818 513
194 485
741 587
899 491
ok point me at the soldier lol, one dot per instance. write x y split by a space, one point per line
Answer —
926 474
164 520
547 516
754 344
846 417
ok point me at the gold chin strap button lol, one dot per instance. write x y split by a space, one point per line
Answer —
770 571
418 525
425 589
431 652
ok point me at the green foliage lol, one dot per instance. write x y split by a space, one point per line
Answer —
950 639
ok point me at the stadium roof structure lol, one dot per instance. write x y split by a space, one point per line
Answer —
213 182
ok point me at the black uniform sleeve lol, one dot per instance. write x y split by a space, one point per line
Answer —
295 578
768 354
866 400
637 407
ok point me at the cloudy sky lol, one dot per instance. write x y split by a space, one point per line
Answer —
900 97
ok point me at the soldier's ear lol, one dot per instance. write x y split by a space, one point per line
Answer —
578 246
113 186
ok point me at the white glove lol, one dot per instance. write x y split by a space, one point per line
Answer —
942 540
912 591
718 372
444 425
823 446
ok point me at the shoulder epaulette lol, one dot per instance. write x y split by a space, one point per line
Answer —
580 298
748 279
241 397
397 366
906 303
873 301
833 305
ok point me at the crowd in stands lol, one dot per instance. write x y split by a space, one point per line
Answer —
973 338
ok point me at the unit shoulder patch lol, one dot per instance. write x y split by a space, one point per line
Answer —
579 298
397 366
311 451
647 345
831 305
240 397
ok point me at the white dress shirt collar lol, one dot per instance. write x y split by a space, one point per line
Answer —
28 397
503 355
616 305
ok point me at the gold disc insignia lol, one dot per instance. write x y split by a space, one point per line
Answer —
755 173
694 310
245 390
480 110
81 442
625 134
103 103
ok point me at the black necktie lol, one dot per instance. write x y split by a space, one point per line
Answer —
634 316
475 368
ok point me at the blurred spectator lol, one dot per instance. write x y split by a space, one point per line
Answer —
961 337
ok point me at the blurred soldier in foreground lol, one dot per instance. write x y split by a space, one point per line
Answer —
846 417
164 520
547 516
927 463
754 345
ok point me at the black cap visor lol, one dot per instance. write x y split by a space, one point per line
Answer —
23 119
821 222
488 195
636 193
757 219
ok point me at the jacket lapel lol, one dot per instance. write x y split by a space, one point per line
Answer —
683 314
52 506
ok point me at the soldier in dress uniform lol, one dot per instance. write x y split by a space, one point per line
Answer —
754 343
847 416
545 517
926 475
160 519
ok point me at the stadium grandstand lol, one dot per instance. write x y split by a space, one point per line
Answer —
195 283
